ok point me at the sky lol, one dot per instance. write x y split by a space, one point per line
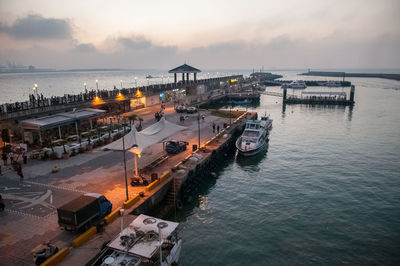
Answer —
210 34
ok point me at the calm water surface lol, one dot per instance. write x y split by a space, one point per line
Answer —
327 192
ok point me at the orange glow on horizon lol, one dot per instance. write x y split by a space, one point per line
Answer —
97 100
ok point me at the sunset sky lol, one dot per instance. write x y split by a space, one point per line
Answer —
212 34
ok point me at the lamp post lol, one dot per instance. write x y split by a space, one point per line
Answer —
198 125
121 83
136 82
35 87
84 84
126 178
97 84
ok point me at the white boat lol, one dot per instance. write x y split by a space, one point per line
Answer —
298 84
140 243
254 137
333 83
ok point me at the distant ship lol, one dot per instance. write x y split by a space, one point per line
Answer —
254 137
333 83
298 84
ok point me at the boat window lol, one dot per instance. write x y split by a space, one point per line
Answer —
252 134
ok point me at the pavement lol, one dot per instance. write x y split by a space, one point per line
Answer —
30 216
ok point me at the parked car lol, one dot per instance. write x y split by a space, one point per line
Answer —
175 146
191 110
180 109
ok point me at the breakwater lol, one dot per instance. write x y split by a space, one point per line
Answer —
353 75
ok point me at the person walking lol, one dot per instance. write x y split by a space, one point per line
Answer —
24 157
213 126
4 157
218 128
11 155
19 172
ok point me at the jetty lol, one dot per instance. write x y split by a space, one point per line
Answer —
352 75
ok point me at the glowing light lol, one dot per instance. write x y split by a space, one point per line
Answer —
97 100
120 97
138 94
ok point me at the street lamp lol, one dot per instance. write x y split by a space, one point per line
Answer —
84 84
35 89
97 84
121 83
136 82
136 153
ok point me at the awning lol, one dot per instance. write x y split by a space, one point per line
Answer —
148 136
52 121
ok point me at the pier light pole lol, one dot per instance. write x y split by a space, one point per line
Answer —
136 82
35 89
97 84
198 125
121 83
84 84
126 178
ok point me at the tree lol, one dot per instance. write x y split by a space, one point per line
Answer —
140 124
132 118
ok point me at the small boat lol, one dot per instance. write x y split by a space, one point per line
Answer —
298 84
254 137
146 241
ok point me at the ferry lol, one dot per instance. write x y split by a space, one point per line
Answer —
298 84
146 241
254 137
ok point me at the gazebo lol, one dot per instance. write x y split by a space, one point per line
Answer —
185 69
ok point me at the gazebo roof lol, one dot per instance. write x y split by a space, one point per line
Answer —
184 69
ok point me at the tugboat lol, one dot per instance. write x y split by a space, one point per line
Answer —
146 241
254 137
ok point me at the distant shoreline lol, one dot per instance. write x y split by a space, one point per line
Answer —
352 75
24 71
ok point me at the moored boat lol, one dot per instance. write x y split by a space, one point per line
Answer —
254 137
146 241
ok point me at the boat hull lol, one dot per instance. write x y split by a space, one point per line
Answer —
250 152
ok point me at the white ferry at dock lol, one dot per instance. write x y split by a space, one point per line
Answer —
146 241
254 137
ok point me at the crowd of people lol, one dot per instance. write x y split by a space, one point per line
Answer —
38 100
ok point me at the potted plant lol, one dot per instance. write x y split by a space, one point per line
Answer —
89 146
139 128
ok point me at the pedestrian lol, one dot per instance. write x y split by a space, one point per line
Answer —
11 155
2 206
218 128
4 157
213 125
19 172
24 157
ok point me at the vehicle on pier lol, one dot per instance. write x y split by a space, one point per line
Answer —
254 137
146 241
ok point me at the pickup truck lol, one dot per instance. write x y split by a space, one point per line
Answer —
83 211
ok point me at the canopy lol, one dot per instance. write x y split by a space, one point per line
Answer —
148 136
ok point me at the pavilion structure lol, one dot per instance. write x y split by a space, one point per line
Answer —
184 69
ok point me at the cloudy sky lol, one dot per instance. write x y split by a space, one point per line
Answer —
232 34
